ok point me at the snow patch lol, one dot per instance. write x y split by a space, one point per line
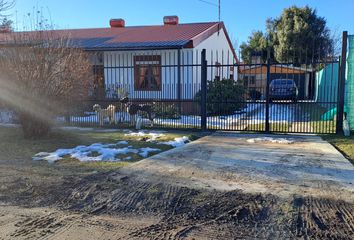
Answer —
185 120
94 152
178 142
77 129
271 140
9 125
108 130
7 116
88 129
153 136
144 152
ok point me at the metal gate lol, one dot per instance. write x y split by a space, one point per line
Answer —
286 97
209 90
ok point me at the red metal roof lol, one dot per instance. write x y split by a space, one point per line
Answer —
180 35
144 33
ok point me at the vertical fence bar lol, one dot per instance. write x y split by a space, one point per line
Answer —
267 97
341 84
179 92
203 100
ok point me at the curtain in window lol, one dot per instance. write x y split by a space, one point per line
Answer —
141 76
156 76
147 73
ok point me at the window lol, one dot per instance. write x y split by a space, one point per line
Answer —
147 76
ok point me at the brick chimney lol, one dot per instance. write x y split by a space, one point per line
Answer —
117 23
170 20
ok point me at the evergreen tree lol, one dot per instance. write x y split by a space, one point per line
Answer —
298 35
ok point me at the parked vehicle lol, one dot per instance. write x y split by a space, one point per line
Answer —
283 89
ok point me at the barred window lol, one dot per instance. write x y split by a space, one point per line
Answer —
147 71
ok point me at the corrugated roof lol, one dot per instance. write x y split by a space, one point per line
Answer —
274 69
137 36
104 43
140 37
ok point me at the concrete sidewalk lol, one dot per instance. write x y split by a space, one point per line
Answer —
277 164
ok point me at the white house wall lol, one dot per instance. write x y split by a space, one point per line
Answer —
218 50
119 73
119 69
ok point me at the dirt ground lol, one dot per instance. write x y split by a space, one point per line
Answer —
41 201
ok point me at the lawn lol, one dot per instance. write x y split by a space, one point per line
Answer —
13 147
343 144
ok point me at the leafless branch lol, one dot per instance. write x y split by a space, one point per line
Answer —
45 69
5 5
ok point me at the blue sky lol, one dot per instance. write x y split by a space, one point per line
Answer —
240 16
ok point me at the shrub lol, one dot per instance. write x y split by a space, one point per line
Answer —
42 76
255 95
224 97
165 111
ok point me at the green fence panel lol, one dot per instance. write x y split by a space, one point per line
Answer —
327 84
349 100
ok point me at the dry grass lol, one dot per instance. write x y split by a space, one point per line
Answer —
13 147
343 144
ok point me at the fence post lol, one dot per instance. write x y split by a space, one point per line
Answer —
203 101
341 84
267 129
179 98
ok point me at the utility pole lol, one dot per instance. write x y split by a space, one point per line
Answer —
219 18
219 6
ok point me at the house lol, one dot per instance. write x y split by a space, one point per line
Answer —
154 62
254 77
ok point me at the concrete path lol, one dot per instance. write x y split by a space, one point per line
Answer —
277 164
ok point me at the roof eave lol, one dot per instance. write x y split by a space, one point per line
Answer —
210 31
132 48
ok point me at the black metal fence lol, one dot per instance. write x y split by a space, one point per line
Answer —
213 90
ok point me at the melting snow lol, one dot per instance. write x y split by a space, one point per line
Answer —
105 152
88 129
144 152
109 152
68 128
153 136
178 142
184 120
9 125
271 140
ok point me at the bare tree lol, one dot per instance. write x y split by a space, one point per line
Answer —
42 75
336 41
4 6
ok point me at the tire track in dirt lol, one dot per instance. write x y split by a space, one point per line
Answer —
39 227
323 218
185 212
